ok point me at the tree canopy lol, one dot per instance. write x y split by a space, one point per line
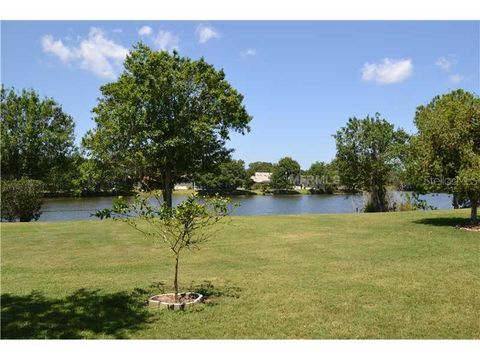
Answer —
368 150
166 117
37 138
284 173
445 152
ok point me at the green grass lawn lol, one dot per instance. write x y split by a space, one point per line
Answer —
394 275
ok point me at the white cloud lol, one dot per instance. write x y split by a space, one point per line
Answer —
248 52
205 33
96 53
389 71
145 30
100 55
56 47
456 78
444 63
167 40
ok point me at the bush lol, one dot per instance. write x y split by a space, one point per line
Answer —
413 203
21 199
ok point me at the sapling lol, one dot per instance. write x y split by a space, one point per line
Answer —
186 226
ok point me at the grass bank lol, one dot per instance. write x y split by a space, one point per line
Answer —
394 275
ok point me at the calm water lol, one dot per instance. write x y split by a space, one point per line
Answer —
55 209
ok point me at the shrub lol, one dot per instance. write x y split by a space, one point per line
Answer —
21 199
413 203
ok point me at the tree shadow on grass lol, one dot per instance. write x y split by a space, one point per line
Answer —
210 291
443 221
89 313
84 313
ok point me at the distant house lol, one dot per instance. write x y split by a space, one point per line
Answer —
184 186
261 177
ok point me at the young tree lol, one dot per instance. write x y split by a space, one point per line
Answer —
37 138
367 152
166 117
283 172
445 150
230 175
186 226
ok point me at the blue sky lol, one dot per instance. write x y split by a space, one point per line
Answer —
301 80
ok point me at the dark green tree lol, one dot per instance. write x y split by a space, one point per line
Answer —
37 138
368 150
229 176
167 117
445 152
284 173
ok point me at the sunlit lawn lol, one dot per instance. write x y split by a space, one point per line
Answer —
396 275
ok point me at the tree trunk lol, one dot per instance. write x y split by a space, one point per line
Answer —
175 281
378 199
167 188
455 203
473 214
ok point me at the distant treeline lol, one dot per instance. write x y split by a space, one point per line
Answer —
167 120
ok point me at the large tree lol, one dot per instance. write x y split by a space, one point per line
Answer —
284 173
445 153
166 117
37 138
368 150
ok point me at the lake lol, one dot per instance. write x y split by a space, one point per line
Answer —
57 209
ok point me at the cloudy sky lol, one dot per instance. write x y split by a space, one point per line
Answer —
301 80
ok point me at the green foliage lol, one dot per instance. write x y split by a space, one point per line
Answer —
368 150
229 176
37 139
444 150
413 202
186 226
323 178
95 177
21 199
166 117
284 174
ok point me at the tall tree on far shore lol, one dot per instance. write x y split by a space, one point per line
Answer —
37 138
166 117
284 173
445 153
368 150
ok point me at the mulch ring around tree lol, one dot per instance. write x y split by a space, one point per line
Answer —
168 300
469 227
